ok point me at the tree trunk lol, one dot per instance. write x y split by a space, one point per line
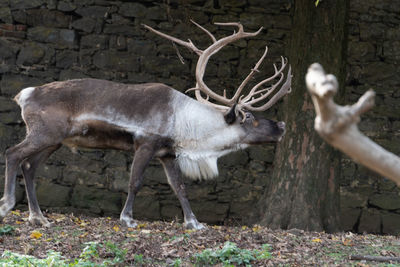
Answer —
304 188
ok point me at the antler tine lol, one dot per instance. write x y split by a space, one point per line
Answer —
253 91
285 89
211 50
205 30
189 44
269 90
250 75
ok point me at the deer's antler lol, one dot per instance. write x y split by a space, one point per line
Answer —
256 94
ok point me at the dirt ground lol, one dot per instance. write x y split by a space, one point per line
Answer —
169 244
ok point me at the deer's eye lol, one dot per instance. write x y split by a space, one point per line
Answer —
249 116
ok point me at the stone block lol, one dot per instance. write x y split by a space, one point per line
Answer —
351 199
156 13
66 6
93 11
210 211
96 200
372 31
135 10
387 201
155 174
146 207
361 51
126 30
47 18
171 210
391 50
201 191
370 221
49 171
31 53
7 104
349 218
71 74
10 117
116 60
12 84
22 4
50 194
6 139
238 158
62 38
66 59
119 177
94 41
391 223
254 21
5 15
263 153
378 72
232 3
240 210
257 166
85 24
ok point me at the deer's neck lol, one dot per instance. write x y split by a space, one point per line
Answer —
202 136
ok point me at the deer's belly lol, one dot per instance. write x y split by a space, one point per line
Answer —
99 135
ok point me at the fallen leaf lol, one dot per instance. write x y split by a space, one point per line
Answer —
16 213
316 240
142 225
347 242
84 235
116 228
131 235
36 234
19 222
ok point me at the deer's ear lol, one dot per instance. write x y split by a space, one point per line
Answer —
230 116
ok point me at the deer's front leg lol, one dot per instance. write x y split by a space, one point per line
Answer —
175 181
143 154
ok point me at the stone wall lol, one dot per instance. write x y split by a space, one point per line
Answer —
44 41
48 40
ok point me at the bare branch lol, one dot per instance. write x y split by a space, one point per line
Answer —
338 125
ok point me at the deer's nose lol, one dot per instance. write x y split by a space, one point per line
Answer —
281 125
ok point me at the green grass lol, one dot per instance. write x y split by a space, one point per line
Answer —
231 255
88 257
7 230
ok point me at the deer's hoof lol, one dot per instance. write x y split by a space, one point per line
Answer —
128 222
39 221
194 225
5 207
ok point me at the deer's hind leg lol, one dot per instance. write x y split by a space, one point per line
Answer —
40 137
29 167
14 156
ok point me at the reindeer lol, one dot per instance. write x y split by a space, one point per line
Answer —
151 119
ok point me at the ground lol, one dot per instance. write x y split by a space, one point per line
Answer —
169 244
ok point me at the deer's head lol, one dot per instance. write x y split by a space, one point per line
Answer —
238 109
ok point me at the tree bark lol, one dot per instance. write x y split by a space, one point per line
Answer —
304 188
